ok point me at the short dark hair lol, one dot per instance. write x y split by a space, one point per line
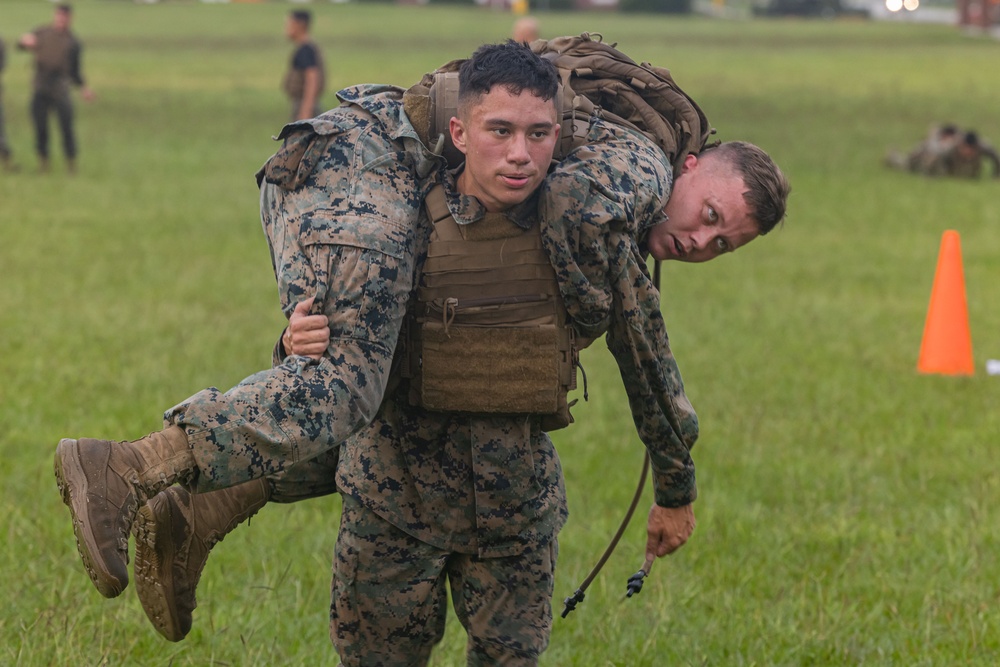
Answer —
302 16
767 188
64 8
509 64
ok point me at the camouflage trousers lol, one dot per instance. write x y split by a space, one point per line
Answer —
45 101
389 600
270 422
302 408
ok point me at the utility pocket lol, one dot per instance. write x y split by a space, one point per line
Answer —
472 359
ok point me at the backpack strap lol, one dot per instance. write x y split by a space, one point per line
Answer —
597 81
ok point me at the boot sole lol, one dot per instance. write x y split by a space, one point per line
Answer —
154 587
73 488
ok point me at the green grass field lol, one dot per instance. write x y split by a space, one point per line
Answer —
848 508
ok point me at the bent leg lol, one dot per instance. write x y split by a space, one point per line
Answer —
275 418
175 532
304 407
314 478
358 264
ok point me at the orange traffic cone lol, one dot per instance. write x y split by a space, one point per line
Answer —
947 344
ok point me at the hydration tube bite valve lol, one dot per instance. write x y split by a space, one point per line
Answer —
635 581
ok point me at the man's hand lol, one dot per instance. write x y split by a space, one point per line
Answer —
307 335
667 530
27 42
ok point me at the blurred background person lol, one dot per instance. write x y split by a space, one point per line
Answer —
525 30
305 79
965 159
57 67
925 158
947 151
5 155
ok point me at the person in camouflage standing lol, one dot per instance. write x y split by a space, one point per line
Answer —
57 67
305 79
478 518
601 271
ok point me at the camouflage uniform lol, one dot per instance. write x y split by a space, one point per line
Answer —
596 209
57 66
339 205
457 493
431 495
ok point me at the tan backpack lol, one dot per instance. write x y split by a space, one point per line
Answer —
598 81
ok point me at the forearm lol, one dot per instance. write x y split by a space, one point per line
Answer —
668 430
310 93
664 418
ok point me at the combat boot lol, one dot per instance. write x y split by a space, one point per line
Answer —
174 532
103 483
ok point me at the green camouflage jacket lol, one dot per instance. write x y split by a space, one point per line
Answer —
493 486
596 208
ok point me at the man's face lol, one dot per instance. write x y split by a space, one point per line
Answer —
707 213
508 142
60 20
292 28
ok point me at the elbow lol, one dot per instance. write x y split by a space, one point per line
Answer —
689 432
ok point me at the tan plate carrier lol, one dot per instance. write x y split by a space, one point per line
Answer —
490 334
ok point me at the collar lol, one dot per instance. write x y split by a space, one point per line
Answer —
467 210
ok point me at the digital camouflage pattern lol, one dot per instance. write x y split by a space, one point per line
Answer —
472 484
340 204
487 491
503 603
595 209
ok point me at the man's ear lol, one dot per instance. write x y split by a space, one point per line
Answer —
690 162
457 131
